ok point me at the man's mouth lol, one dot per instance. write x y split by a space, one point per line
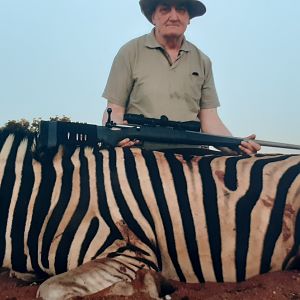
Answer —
173 25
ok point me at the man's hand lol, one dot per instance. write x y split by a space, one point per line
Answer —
126 143
250 147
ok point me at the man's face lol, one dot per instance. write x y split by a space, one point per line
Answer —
170 20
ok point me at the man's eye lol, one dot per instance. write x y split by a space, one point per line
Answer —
165 9
181 9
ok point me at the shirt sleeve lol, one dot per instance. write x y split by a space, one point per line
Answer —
209 96
120 81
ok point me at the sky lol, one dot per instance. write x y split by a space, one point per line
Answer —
55 57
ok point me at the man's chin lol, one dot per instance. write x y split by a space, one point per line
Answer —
172 35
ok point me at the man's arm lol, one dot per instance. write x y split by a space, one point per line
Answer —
211 123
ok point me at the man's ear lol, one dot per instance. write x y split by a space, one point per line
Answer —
152 18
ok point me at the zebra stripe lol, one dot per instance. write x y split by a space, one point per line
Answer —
195 193
36 172
161 201
149 204
12 210
7 176
185 215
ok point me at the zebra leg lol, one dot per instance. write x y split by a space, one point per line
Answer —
95 276
119 263
86 279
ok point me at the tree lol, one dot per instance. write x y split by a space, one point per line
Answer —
33 126
16 125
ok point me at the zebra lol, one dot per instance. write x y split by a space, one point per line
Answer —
84 219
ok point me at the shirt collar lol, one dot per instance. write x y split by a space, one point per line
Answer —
151 42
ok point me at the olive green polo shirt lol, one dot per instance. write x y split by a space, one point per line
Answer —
144 81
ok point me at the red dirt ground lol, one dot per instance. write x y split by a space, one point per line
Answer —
278 285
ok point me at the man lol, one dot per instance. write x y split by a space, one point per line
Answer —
161 73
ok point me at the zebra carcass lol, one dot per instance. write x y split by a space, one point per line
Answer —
92 218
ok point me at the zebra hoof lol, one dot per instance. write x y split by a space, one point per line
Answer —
27 277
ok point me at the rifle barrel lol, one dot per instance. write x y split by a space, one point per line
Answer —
277 145
260 142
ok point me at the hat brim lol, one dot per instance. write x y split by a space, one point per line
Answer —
195 8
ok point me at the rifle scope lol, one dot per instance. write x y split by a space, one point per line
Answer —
163 122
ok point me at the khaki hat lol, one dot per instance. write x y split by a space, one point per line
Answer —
194 7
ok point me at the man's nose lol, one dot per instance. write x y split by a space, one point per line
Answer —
173 14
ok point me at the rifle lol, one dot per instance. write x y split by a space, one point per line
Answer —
53 133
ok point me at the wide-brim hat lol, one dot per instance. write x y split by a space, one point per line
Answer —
194 7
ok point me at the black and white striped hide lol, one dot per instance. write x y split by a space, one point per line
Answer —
95 217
